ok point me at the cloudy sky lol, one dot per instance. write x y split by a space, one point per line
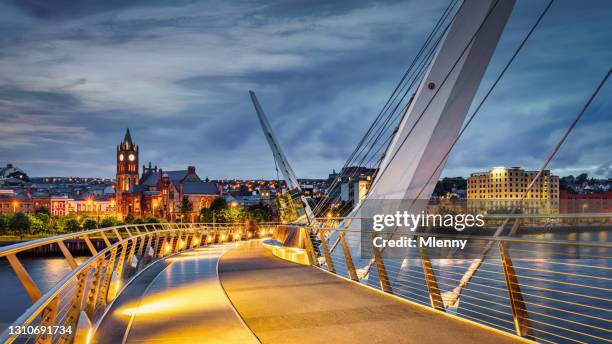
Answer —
74 75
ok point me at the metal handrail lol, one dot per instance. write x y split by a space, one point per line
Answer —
101 277
513 292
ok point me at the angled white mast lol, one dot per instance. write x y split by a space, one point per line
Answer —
280 157
434 118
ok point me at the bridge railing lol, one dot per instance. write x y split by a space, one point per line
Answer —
66 312
547 290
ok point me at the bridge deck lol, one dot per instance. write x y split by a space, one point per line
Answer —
283 302
184 303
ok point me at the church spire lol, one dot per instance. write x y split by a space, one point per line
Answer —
128 138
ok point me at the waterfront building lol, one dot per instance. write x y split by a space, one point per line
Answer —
158 192
500 189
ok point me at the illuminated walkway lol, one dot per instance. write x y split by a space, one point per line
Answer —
283 302
184 303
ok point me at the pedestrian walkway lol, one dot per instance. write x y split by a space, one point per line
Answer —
283 302
184 303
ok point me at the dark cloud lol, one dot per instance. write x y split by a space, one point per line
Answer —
74 75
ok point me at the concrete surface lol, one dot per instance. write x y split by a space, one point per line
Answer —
283 302
184 303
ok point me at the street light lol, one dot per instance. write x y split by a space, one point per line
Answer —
15 204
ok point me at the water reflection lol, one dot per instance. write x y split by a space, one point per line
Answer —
46 272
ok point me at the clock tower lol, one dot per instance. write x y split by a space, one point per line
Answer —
127 169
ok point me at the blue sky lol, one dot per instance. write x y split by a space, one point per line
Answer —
74 75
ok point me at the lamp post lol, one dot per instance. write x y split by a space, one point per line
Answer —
15 204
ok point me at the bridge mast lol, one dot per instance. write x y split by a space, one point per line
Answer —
279 156
433 120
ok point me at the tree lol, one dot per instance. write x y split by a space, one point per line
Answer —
207 215
152 219
229 215
109 221
218 204
129 219
37 226
43 210
43 217
20 224
72 225
582 178
186 206
259 213
89 224
4 224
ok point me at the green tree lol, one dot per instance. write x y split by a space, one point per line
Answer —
89 224
185 206
4 224
259 213
207 215
218 204
152 219
37 226
43 217
109 221
129 219
20 224
43 210
230 215
72 225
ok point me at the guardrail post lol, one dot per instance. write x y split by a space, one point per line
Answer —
432 284
94 287
47 318
117 234
110 265
77 299
519 309
121 261
73 264
26 281
350 267
105 238
134 242
176 239
90 245
309 248
164 243
383 278
328 259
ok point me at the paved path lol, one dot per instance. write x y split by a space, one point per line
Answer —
283 302
184 303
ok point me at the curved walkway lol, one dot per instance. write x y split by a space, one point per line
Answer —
283 302
183 303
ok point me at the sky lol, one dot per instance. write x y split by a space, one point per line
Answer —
75 75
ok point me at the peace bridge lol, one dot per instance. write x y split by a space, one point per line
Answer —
278 283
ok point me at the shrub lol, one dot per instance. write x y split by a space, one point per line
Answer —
19 224
90 223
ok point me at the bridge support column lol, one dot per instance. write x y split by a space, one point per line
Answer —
110 265
48 318
77 301
92 294
350 266
383 277
432 284
328 259
309 247
519 309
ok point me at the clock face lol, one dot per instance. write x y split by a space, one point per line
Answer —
120 157
131 157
